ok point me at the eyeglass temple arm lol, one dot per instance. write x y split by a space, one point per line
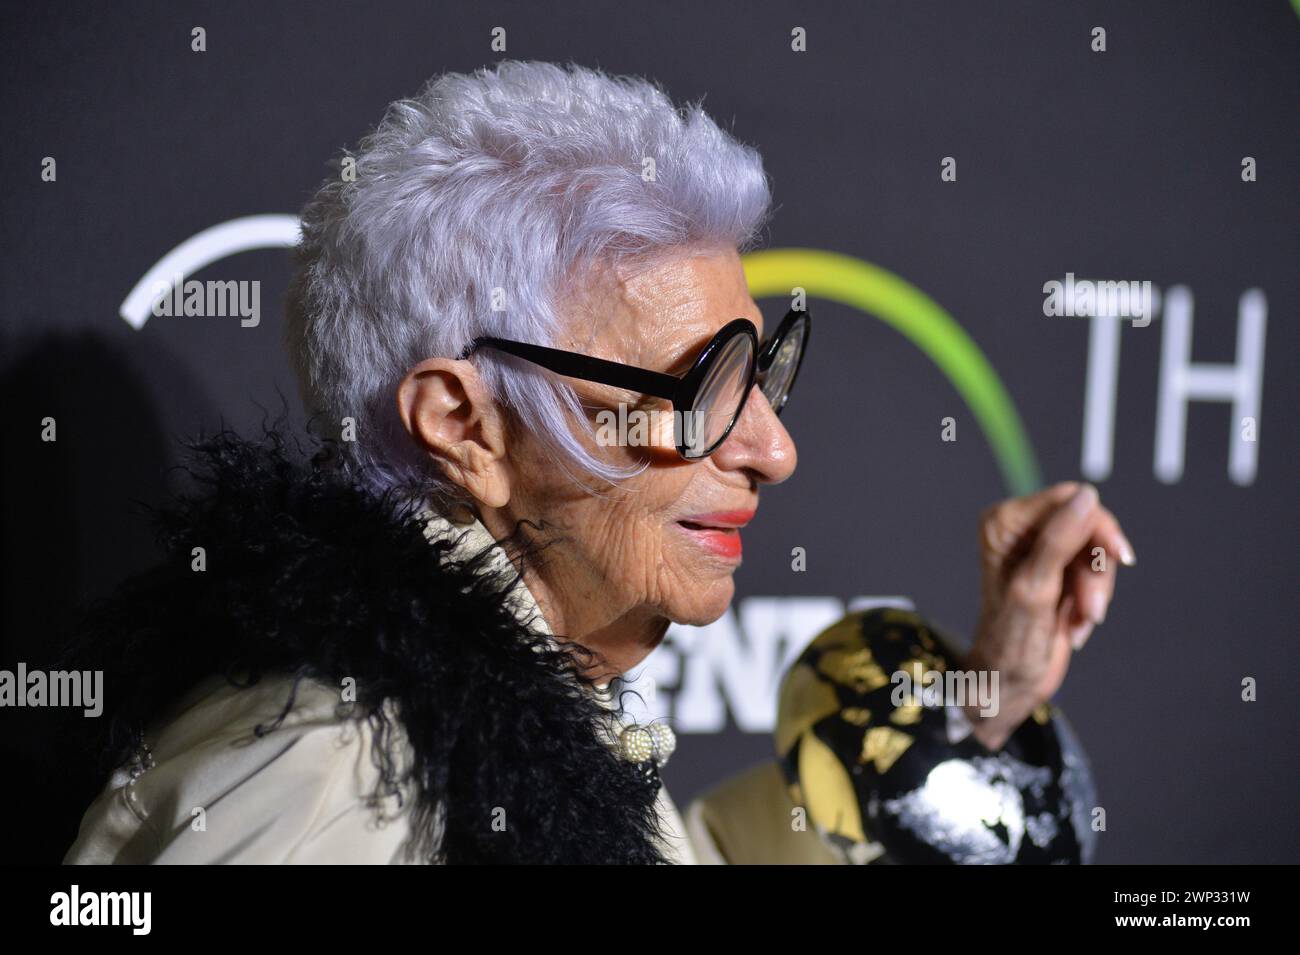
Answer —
612 373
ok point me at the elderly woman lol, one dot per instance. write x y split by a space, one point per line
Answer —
408 647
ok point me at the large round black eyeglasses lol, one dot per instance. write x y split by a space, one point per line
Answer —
711 395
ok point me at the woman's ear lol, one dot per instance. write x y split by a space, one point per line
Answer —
445 407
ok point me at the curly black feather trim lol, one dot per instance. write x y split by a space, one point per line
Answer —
309 574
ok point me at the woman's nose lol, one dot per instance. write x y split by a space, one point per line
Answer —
759 443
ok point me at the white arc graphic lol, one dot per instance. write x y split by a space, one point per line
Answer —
275 231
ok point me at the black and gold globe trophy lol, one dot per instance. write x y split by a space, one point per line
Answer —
872 757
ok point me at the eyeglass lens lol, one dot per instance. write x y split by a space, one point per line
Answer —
779 376
717 403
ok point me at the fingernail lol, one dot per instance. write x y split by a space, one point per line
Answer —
1126 555
1084 500
1097 607
1079 636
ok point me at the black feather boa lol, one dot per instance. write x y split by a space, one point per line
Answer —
310 575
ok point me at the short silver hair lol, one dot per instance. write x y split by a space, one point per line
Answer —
513 178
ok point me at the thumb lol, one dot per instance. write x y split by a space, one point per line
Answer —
1066 532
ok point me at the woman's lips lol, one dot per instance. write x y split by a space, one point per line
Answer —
718 532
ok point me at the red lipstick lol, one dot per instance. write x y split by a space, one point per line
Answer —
719 531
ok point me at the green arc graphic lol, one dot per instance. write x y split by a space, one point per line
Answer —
871 289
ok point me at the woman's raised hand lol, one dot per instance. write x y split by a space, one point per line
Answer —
1048 565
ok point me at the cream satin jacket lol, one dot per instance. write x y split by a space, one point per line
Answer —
210 790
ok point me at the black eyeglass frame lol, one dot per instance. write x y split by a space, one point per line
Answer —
681 391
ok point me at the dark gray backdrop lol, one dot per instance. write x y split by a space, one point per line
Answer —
1120 165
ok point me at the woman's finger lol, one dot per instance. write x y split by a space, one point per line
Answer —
1092 586
1109 535
1005 525
1061 538
1072 624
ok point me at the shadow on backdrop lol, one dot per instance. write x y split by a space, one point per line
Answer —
73 529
